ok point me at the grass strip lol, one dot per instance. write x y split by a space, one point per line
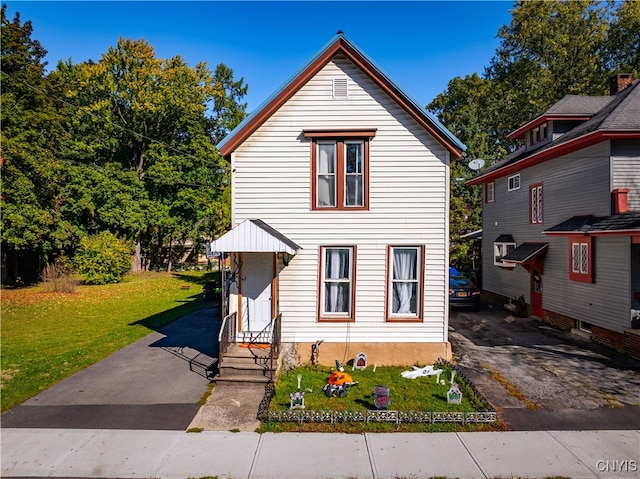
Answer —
48 336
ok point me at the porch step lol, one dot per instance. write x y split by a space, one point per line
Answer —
244 366
241 380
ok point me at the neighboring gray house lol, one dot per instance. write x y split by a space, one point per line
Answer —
561 216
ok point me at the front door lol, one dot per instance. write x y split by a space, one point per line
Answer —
536 293
257 271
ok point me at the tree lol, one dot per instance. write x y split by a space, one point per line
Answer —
32 229
551 48
623 43
149 116
463 108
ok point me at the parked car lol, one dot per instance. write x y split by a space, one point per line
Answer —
463 293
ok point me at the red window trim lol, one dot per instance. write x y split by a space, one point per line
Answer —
340 136
352 308
587 277
409 319
531 205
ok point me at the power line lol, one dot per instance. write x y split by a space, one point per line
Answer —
123 128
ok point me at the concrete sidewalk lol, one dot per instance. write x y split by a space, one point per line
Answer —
180 455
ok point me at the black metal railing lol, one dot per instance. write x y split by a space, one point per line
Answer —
227 335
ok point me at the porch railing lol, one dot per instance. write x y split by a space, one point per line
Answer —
227 335
274 351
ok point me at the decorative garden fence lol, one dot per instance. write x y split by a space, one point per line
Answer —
370 416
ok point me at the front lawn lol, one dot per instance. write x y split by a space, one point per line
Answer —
406 395
48 336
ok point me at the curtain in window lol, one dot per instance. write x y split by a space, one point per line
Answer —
326 171
354 177
405 284
337 280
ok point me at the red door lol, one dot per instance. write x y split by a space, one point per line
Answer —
536 293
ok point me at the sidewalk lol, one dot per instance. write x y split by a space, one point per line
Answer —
180 455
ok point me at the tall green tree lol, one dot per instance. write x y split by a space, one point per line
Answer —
157 119
125 144
32 229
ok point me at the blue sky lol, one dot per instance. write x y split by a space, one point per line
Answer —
420 45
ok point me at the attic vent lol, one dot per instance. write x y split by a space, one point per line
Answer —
340 88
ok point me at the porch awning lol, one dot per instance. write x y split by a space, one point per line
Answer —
526 253
253 236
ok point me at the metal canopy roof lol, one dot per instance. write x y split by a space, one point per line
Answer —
253 236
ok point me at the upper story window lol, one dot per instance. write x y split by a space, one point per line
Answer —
405 286
514 182
337 270
539 133
340 169
536 204
490 192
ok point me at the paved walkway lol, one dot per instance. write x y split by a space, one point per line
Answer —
179 455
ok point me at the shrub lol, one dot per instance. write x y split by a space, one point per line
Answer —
57 276
103 258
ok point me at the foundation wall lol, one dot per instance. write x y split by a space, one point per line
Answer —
382 354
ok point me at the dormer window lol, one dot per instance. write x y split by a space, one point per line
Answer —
539 134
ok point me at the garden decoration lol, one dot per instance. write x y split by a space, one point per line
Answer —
419 372
360 361
454 396
381 398
315 352
338 384
296 400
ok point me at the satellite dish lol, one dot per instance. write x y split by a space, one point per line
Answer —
476 164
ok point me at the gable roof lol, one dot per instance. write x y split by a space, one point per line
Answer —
617 117
339 44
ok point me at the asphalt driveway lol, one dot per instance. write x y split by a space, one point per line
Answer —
155 383
539 378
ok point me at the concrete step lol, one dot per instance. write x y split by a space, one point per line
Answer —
238 380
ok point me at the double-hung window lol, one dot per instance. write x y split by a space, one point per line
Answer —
513 182
340 169
490 192
337 284
536 204
405 285
581 259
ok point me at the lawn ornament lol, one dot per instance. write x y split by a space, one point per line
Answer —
315 352
454 396
338 384
296 400
419 372
360 361
381 398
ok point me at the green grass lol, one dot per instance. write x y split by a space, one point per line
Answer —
421 394
48 336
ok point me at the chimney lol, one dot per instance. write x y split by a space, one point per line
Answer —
620 200
619 82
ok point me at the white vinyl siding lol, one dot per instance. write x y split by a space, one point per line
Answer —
408 204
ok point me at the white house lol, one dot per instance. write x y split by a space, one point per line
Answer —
340 207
